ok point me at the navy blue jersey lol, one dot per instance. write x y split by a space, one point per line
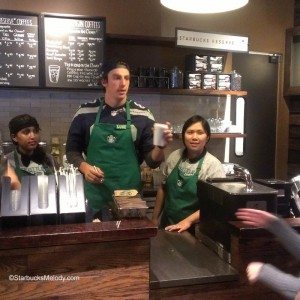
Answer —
142 122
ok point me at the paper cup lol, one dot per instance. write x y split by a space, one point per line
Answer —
158 134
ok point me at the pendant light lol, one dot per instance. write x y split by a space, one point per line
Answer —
203 6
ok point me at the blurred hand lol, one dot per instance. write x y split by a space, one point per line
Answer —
179 227
255 217
253 271
15 183
91 174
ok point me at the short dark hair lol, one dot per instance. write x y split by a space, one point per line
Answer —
195 119
22 121
109 65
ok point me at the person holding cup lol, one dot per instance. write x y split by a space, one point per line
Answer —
176 201
115 134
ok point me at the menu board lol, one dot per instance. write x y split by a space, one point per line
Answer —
19 54
73 51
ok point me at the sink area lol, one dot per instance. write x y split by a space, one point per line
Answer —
221 198
239 188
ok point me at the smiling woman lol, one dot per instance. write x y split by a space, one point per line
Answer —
195 137
177 199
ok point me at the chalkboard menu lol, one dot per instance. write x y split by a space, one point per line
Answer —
73 51
19 54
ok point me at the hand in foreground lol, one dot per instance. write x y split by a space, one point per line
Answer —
91 174
179 227
254 217
15 183
253 271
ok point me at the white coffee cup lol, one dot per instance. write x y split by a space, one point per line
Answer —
158 134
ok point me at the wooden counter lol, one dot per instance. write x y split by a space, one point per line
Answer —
257 244
107 262
103 260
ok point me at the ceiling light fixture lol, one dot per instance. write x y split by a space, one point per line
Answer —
203 6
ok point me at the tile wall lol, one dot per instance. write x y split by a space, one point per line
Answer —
54 111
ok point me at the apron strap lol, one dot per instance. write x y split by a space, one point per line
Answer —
99 111
128 116
18 170
200 164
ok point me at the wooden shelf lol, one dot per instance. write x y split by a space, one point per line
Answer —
159 51
221 135
224 135
165 47
140 40
292 91
187 92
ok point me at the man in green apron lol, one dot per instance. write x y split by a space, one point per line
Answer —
177 198
115 135
28 158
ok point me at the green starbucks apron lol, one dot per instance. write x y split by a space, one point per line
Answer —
32 169
181 195
112 149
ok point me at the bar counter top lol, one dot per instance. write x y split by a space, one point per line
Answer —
51 235
179 259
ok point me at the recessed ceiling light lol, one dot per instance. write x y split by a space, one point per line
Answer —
204 6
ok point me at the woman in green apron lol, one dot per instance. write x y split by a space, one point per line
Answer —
28 158
177 196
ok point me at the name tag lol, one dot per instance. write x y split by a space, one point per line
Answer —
120 126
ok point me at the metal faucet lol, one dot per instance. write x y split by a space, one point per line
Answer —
245 175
